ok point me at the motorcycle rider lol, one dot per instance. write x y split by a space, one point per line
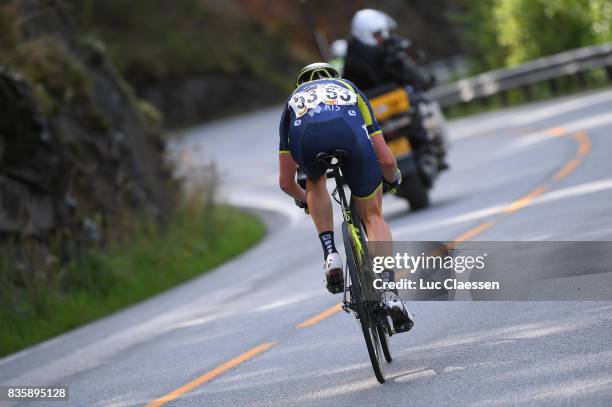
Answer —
376 57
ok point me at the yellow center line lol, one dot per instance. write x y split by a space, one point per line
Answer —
474 231
584 147
212 374
557 131
525 200
585 144
320 317
567 168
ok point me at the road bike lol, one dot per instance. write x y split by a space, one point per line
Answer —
359 296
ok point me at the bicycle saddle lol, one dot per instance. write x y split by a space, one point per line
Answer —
325 159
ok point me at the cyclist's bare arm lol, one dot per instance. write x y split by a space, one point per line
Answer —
286 178
388 165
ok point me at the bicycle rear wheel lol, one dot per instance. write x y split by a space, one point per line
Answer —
365 309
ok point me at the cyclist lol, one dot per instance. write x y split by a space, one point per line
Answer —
323 114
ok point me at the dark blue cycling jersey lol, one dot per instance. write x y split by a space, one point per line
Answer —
329 114
363 104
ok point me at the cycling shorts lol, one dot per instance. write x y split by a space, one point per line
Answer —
326 133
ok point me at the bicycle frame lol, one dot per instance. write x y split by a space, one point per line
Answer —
346 209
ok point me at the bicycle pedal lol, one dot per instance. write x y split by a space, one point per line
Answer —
348 307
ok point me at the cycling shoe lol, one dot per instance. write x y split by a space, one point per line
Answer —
333 273
399 318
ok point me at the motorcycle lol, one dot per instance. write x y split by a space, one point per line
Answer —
415 130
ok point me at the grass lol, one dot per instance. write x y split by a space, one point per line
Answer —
142 263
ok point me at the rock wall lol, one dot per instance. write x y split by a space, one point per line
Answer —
77 153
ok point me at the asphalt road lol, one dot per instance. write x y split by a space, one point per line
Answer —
537 172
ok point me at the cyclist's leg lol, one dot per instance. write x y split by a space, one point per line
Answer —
319 204
370 211
321 137
364 178
316 138
363 175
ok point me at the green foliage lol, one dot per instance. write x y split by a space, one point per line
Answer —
143 262
57 76
499 33
152 39
479 30
601 12
533 28
150 113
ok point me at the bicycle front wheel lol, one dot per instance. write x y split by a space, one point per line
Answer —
380 323
384 343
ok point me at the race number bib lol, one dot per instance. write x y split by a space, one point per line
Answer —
326 93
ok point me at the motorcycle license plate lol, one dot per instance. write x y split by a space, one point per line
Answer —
399 146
